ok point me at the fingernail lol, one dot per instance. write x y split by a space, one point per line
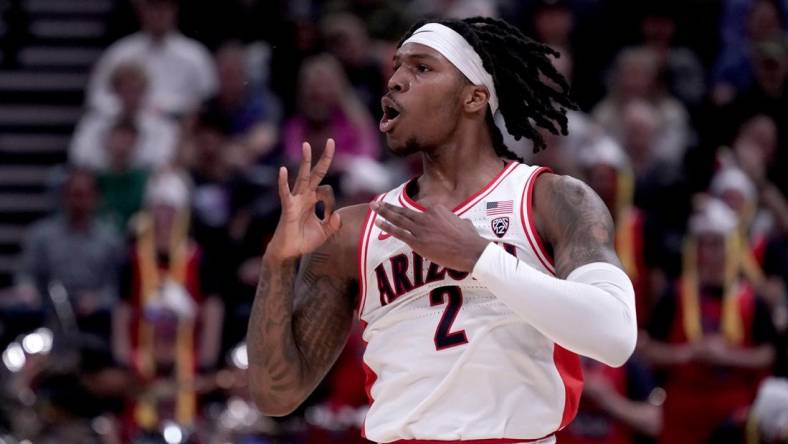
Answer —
374 205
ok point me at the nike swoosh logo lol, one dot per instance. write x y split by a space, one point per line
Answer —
383 236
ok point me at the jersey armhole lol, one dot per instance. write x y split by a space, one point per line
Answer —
527 219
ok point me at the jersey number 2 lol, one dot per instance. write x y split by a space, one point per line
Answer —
444 337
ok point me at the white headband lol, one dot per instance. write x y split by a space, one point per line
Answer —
459 52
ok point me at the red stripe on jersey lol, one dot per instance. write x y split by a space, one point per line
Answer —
526 216
362 249
569 367
369 379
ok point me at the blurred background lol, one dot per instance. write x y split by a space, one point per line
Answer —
139 142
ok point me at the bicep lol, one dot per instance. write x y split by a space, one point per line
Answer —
576 223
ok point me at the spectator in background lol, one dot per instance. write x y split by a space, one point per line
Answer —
565 151
711 334
168 325
553 22
157 136
252 112
211 174
683 72
636 77
75 249
328 108
122 185
181 70
755 151
734 72
733 187
768 96
346 38
606 169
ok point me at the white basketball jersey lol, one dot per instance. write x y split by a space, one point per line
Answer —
446 360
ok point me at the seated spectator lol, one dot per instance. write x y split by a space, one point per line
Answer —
711 334
553 23
347 40
122 185
564 151
734 70
766 99
157 135
168 324
733 187
683 72
251 111
606 169
212 174
328 108
182 73
73 248
756 152
635 77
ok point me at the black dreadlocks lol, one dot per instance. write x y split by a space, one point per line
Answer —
515 63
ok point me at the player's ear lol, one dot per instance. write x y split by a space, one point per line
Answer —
476 98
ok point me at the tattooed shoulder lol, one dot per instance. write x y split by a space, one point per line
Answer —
574 221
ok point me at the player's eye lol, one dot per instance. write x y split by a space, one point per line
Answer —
423 68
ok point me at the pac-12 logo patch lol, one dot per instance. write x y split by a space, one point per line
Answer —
500 225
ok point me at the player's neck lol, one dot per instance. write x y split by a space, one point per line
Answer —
459 168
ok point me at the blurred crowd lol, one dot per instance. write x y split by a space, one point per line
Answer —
127 319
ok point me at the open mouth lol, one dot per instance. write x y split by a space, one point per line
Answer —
390 114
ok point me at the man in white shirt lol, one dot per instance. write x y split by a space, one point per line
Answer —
182 72
158 134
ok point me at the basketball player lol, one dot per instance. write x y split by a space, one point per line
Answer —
477 283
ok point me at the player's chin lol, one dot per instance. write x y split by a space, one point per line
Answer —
401 147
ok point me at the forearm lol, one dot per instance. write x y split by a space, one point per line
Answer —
641 416
755 358
664 354
297 329
594 319
275 366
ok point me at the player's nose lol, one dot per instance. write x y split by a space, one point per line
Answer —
398 82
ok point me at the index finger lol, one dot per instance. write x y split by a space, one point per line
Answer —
321 168
402 217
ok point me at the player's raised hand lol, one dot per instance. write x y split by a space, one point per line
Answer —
436 234
300 231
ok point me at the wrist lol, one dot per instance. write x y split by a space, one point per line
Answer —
273 259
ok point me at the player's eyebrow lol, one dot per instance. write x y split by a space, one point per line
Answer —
414 56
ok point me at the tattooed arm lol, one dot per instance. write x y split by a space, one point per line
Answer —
589 307
299 323
575 222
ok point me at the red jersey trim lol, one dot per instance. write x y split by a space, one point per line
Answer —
569 368
362 249
526 217
471 441
468 203
369 379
